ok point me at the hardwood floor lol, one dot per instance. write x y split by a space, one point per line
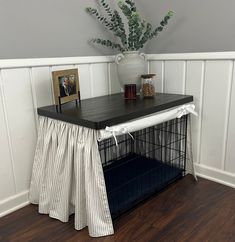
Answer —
186 211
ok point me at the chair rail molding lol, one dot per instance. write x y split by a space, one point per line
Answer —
26 84
229 55
39 62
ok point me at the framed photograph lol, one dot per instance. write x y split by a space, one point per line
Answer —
66 85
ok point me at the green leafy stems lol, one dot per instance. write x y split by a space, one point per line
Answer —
138 33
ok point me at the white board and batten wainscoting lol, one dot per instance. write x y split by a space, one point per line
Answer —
26 84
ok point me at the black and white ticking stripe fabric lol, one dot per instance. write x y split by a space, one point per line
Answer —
68 178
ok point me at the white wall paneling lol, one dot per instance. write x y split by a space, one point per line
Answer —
7 175
24 86
158 68
209 77
113 79
21 121
174 78
27 84
216 95
100 79
42 85
194 86
230 154
85 85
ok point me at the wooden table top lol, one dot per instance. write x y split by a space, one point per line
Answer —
99 112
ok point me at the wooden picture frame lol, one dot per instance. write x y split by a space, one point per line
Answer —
66 86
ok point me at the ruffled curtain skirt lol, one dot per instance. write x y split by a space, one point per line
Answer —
68 178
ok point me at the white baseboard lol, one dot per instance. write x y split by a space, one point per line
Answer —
216 175
14 203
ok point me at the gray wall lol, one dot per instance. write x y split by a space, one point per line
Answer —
53 28
198 26
47 28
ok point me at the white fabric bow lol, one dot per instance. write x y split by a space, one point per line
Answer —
117 131
185 109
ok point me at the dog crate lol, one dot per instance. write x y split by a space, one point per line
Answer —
143 163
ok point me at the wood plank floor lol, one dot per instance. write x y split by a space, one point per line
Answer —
186 211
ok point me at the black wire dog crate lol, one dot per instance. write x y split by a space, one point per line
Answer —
143 164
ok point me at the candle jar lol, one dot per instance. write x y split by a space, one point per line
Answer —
148 88
130 91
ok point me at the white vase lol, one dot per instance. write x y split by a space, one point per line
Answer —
130 66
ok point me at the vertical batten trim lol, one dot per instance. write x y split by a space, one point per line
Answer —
163 76
91 79
227 116
109 78
34 98
52 88
184 76
203 76
7 129
148 66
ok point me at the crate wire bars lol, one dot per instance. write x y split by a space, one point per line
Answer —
140 167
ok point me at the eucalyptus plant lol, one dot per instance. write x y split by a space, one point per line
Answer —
139 30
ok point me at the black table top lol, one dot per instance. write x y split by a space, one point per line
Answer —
99 112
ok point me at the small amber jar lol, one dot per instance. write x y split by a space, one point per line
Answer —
148 88
130 91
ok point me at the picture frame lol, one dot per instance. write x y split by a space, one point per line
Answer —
66 86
